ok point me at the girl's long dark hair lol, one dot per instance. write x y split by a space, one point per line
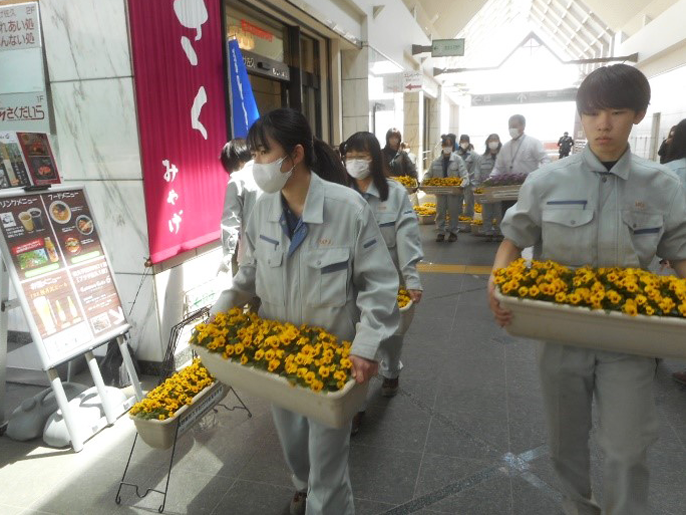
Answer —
677 148
367 142
290 128
490 137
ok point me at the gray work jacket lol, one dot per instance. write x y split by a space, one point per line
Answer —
340 276
456 168
241 194
400 229
577 213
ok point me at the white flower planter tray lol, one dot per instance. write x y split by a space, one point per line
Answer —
334 409
406 317
442 190
426 219
653 336
497 193
160 433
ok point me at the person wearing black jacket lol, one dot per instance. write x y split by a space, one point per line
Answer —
399 163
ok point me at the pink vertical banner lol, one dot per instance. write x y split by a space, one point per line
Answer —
177 50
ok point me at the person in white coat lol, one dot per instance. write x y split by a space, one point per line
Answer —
314 255
521 155
400 229
448 165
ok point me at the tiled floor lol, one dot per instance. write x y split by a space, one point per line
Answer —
464 436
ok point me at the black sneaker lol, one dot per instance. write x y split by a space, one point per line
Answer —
440 238
298 503
357 422
389 388
452 238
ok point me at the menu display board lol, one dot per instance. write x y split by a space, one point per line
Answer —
13 172
52 249
39 158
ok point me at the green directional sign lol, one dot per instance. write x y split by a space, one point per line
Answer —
447 47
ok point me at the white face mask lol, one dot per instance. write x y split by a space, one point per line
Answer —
464 146
358 168
447 151
269 176
514 133
493 145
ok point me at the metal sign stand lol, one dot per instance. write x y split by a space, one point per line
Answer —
77 434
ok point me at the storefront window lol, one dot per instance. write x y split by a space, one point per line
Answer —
255 35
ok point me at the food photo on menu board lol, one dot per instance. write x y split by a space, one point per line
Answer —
60 263
13 172
39 158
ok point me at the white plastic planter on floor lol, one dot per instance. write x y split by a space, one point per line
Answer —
653 336
334 409
160 433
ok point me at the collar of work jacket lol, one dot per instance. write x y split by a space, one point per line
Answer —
372 191
313 213
621 168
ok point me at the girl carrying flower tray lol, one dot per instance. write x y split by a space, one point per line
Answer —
625 310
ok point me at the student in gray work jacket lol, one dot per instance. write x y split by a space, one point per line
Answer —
449 164
603 207
400 229
314 255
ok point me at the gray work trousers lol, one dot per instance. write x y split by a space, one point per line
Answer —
448 204
389 352
490 212
622 386
318 458
468 201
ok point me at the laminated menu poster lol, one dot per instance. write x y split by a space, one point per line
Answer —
13 172
54 254
39 158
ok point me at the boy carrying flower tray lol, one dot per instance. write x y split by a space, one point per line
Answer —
612 309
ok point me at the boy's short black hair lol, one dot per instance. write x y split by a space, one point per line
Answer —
619 86
448 140
235 154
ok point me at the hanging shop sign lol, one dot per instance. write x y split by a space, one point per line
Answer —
179 78
526 97
23 92
52 250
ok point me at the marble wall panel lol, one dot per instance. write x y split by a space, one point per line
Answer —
145 329
355 63
355 97
85 39
97 134
119 209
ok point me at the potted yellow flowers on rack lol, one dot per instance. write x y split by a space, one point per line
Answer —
616 309
175 404
304 369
